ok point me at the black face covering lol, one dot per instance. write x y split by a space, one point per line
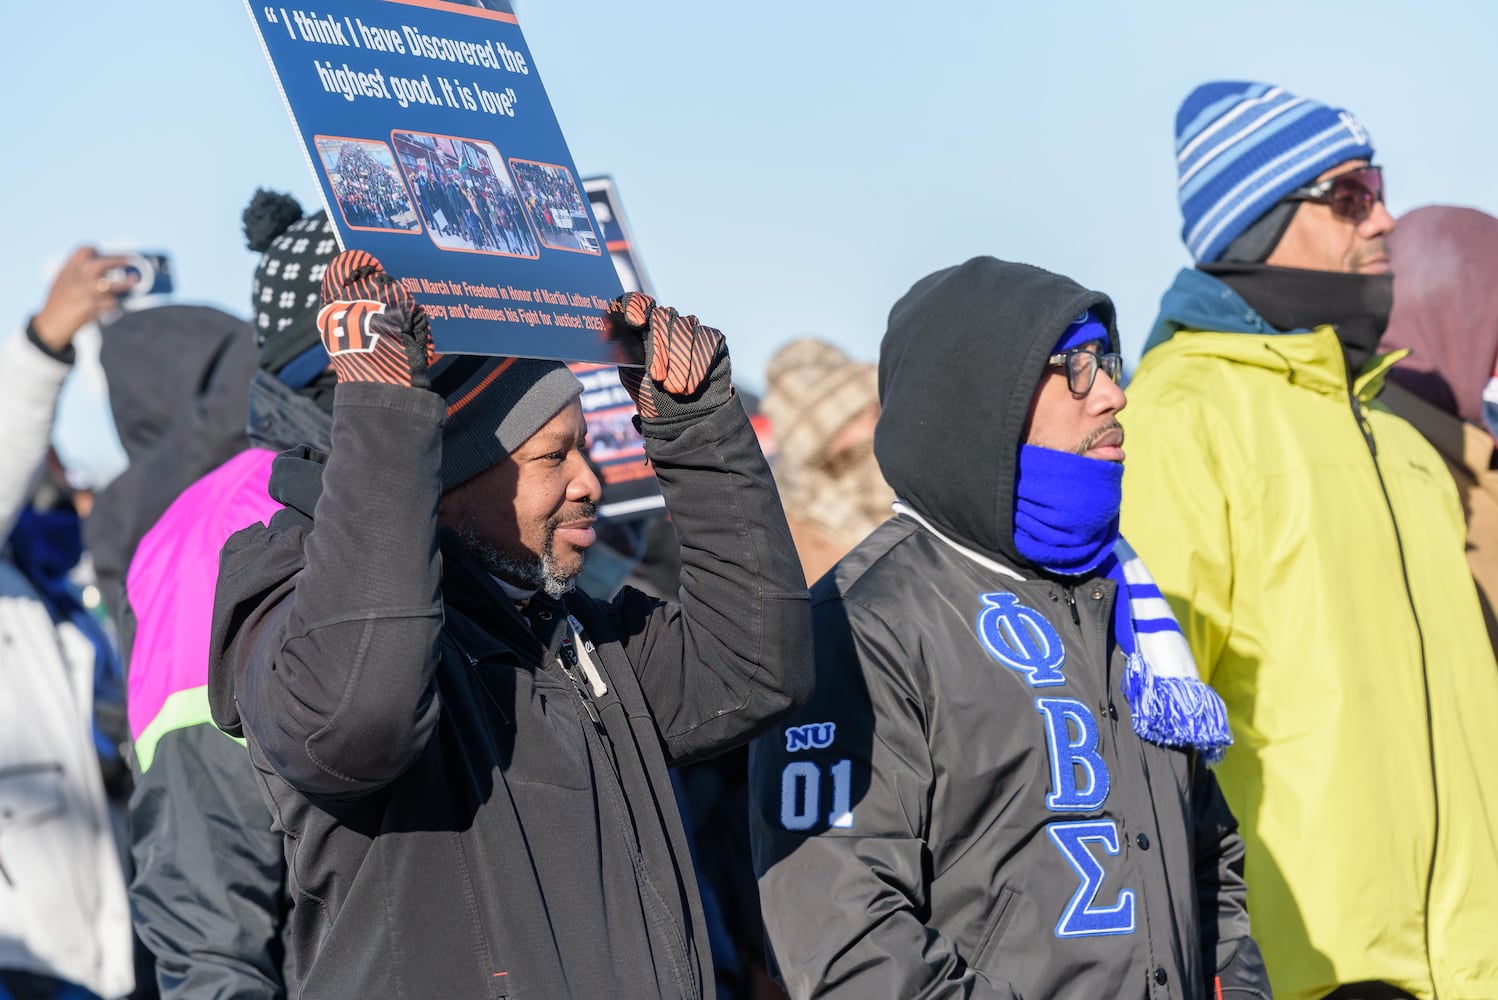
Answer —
1293 298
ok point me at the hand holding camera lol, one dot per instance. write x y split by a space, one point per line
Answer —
85 289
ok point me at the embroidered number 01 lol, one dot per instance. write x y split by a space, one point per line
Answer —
801 795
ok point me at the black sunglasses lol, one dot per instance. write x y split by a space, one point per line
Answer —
1351 196
1082 365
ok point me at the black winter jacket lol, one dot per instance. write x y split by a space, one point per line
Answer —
964 809
461 819
908 850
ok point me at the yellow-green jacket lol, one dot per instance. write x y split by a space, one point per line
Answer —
1312 546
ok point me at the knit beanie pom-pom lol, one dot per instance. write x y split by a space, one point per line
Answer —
267 216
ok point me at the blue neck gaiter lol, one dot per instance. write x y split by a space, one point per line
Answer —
1066 509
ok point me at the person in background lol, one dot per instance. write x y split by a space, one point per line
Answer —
64 919
1000 786
1311 545
177 388
822 408
209 891
1446 314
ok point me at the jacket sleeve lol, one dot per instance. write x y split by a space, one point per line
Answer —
839 813
1227 946
209 889
336 688
30 382
1176 516
735 653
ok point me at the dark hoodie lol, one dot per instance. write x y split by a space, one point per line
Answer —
911 823
178 388
975 336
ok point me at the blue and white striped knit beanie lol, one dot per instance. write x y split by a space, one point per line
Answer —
1241 147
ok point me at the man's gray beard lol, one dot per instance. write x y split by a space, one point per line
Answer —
542 573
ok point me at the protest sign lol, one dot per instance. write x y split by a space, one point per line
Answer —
617 449
437 151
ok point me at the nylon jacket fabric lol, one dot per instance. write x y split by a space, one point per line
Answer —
1311 545
456 824
913 836
63 911
208 890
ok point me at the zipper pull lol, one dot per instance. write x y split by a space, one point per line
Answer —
1071 602
592 712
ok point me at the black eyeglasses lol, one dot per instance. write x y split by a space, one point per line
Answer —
1351 196
1082 365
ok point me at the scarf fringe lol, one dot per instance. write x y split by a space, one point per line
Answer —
1176 711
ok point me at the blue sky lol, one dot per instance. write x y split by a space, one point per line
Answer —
788 168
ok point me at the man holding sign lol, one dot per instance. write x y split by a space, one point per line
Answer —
467 755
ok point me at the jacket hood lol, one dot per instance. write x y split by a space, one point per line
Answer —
958 367
1198 301
1446 306
160 360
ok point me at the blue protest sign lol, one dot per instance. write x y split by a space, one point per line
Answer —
437 151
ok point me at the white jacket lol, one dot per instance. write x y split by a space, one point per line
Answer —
63 910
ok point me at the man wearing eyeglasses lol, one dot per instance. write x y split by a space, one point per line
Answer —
999 788
1311 545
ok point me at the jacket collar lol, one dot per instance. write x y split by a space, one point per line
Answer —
901 507
491 621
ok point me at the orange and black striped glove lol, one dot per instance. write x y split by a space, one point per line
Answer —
373 329
686 375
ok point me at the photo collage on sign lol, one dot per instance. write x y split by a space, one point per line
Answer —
459 191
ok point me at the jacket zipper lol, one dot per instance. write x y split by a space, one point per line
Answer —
567 658
1430 737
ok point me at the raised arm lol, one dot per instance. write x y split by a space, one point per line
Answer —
338 691
735 653
33 364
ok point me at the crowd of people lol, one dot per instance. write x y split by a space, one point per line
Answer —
370 195
555 203
937 704
466 205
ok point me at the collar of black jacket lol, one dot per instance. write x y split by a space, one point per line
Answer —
468 588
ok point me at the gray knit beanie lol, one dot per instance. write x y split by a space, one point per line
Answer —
493 406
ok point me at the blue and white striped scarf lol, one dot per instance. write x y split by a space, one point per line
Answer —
1169 702
1066 522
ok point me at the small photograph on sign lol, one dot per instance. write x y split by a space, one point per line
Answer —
465 194
556 205
369 191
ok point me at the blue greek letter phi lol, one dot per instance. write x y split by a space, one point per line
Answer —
1021 639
